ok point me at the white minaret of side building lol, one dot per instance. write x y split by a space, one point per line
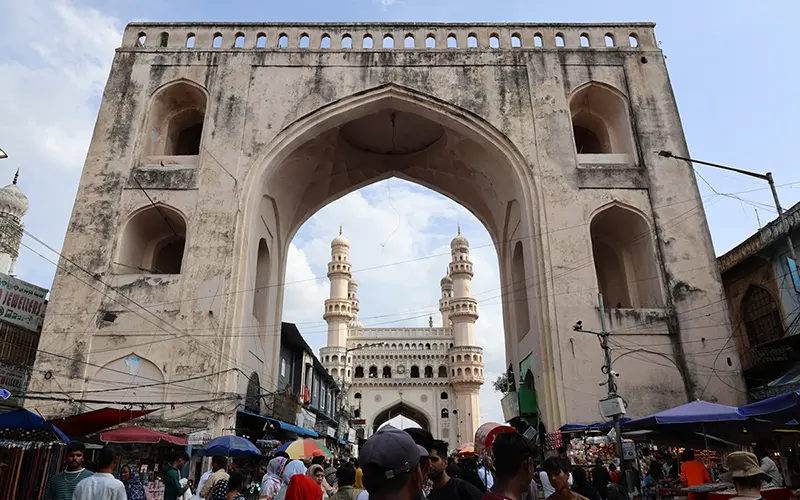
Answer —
444 302
339 307
468 357
13 206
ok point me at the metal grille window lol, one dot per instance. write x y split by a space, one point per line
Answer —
762 318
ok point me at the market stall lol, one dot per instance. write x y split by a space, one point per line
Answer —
31 451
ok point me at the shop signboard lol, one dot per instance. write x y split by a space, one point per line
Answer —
510 405
628 450
14 378
306 419
199 438
22 303
331 432
351 436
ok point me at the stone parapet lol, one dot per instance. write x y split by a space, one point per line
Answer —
387 36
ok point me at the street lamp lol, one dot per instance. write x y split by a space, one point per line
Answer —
764 177
3 155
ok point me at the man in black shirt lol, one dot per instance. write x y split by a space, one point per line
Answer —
445 487
600 478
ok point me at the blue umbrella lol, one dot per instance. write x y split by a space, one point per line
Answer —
696 412
780 409
25 419
229 446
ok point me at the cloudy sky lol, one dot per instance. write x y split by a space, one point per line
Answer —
732 67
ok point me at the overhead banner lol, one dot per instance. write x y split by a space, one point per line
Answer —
22 303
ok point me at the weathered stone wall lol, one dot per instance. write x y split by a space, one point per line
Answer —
508 128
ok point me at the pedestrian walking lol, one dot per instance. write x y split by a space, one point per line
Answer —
559 474
293 468
600 478
133 486
62 485
102 485
693 473
513 463
317 473
173 490
346 479
745 471
218 473
302 487
391 462
768 467
272 482
444 486
582 486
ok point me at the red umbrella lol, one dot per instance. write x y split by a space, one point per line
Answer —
135 434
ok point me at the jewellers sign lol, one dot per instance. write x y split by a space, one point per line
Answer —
22 303
15 379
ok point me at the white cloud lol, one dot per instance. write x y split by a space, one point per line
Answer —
400 245
55 57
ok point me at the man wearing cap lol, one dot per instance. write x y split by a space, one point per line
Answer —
745 472
390 460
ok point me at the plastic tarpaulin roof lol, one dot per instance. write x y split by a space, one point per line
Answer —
696 412
591 427
135 434
90 422
27 420
783 408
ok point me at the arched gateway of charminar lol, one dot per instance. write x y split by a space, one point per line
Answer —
215 142
431 375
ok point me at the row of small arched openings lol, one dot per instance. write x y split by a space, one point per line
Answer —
467 372
458 359
409 41
386 372
427 346
335 359
337 308
443 396
409 356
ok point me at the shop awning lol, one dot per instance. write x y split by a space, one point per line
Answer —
136 434
283 425
90 422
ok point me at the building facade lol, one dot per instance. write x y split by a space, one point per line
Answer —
22 304
216 141
762 285
430 375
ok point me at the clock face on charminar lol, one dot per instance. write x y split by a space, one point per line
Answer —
401 369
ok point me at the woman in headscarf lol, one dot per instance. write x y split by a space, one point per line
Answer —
302 487
133 487
271 482
317 473
293 468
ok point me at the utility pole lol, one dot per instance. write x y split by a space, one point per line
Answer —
764 177
612 405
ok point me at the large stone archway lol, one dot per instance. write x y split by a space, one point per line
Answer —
394 131
401 408
286 130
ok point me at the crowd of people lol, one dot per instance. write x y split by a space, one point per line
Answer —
406 464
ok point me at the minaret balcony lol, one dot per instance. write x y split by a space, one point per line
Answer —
463 307
339 269
338 309
461 269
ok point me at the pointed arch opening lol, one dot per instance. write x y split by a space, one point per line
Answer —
600 122
442 371
625 259
152 242
261 285
520 286
404 409
175 124
136 377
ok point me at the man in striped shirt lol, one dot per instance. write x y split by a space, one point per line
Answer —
62 485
